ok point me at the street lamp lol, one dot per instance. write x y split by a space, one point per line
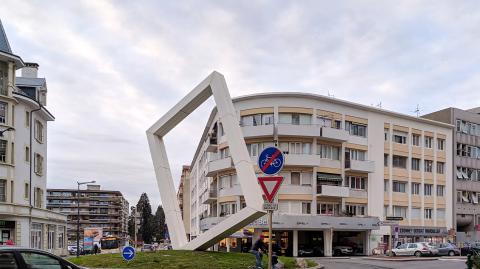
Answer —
78 213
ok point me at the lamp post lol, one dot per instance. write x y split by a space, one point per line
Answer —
78 213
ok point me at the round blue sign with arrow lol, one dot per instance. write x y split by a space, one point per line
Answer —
271 160
128 253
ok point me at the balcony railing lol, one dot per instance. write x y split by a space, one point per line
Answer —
333 191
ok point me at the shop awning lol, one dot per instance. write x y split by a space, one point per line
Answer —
329 177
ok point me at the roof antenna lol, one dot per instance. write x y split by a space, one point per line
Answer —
417 110
330 95
379 105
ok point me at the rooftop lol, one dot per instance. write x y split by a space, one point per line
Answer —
4 45
30 82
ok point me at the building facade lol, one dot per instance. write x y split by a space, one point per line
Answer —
466 169
24 218
347 167
183 197
98 209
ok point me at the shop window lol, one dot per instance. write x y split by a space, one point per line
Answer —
36 236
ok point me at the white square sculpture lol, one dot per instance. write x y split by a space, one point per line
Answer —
214 85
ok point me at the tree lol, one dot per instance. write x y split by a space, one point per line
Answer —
145 231
159 226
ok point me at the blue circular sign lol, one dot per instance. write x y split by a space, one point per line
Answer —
271 160
128 253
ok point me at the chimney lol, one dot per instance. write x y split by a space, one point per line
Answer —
30 70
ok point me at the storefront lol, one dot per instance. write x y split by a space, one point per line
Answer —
7 231
411 234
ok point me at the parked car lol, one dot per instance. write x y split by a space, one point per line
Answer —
342 250
26 258
305 251
448 249
415 249
146 248
72 250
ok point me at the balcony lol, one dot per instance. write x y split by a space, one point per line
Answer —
211 196
209 222
309 130
333 191
302 160
257 131
217 166
360 166
334 134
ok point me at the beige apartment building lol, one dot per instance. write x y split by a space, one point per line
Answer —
99 208
347 167
183 197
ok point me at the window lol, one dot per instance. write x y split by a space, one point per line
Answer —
38 197
356 154
38 164
27 118
61 237
400 137
224 153
428 213
295 178
50 236
356 129
440 144
253 149
385 185
415 164
3 190
37 260
267 119
399 186
415 188
328 152
26 191
356 210
416 140
440 190
399 161
295 118
306 208
440 167
328 209
428 142
256 120
357 183
400 211
36 236
415 214
3 112
324 122
38 131
427 189
386 134
3 151
385 160
428 166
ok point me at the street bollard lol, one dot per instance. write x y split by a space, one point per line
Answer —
469 261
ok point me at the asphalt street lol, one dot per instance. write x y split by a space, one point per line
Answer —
359 263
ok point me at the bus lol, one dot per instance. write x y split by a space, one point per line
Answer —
110 242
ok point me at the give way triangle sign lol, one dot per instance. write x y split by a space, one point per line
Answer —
270 186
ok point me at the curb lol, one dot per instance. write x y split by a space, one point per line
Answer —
401 259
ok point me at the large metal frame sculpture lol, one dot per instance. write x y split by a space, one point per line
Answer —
214 85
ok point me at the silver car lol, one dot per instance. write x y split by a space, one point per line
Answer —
415 249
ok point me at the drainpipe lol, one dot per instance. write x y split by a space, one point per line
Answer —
31 169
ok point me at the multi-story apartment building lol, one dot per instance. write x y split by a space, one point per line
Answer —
183 197
24 218
98 209
466 169
347 167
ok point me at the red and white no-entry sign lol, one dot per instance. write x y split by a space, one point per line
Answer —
270 186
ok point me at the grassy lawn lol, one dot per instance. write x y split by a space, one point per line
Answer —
176 259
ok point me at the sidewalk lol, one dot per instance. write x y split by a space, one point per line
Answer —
400 259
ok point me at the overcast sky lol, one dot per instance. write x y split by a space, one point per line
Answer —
114 67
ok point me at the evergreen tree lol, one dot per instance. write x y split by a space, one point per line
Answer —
145 231
159 223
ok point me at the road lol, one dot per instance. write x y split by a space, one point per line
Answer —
359 263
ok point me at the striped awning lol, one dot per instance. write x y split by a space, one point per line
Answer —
329 177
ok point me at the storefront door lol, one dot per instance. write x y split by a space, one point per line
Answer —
5 236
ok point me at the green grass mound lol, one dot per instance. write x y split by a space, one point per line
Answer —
177 259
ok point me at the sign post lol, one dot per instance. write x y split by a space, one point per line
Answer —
128 253
270 161
394 229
